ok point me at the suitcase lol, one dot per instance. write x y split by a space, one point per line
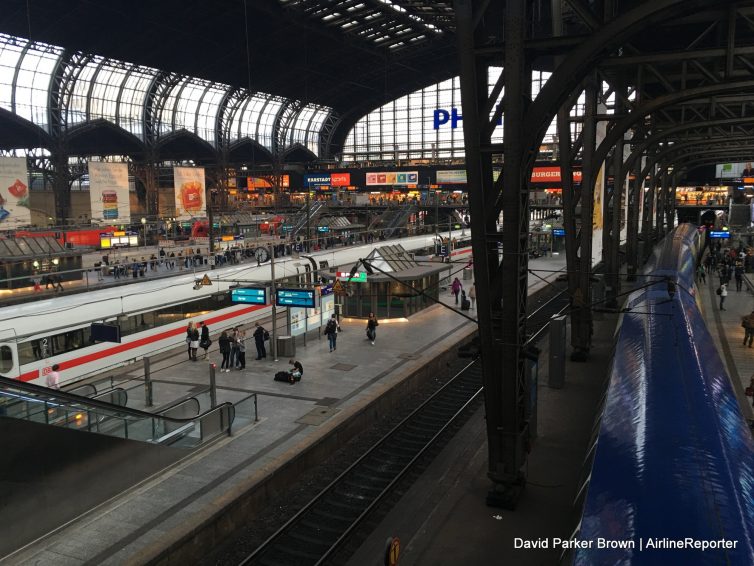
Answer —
283 376
465 305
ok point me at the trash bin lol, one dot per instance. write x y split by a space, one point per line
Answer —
467 273
286 346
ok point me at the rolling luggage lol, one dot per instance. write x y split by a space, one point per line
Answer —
465 304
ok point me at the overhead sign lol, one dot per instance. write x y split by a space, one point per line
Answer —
558 232
249 295
358 277
340 179
303 298
393 178
719 234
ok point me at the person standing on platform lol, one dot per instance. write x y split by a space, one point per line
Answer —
331 331
194 342
372 325
204 340
722 292
472 296
241 342
455 288
260 334
739 275
701 273
53 378
748 324
234 348
224 343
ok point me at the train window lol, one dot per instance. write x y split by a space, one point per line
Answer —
6 359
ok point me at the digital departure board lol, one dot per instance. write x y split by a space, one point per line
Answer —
303 298
249 295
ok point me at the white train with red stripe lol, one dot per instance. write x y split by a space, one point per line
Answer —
152 314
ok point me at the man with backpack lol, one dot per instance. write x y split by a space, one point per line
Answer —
331 331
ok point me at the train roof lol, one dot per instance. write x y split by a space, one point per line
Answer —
100 304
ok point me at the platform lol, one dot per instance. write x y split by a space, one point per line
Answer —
443 520
143 523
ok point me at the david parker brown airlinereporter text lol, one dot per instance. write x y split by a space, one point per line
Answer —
641 544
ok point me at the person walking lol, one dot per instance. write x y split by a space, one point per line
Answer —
260 335
53 378
472 295
331 331
723 293
204 340
372 325
241 344
748 325
701 273
456 287
224 344
738 273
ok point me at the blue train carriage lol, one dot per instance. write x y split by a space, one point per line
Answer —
673 463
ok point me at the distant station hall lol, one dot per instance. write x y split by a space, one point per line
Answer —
354 282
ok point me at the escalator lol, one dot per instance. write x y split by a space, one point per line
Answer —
64 454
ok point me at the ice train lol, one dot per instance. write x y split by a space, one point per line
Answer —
152 315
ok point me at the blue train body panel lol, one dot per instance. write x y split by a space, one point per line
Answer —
674 456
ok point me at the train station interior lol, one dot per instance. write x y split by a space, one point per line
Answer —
361 282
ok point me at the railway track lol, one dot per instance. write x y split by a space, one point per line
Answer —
319 530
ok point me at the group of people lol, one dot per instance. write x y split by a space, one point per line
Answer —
456 288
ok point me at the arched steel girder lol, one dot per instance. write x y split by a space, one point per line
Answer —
657 138
622 126
576 65
668 157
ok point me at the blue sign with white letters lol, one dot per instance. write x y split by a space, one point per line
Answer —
719 234
317 179
558 232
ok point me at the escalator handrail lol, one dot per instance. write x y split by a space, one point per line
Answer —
95 403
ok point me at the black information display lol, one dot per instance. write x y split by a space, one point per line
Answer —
304 298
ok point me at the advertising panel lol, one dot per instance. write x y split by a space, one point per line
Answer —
108 192
551 175
451 177
267 182
189 192
317 179
340 179
733 170
14 193
393 178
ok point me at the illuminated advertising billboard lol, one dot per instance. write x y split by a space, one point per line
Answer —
340 179
393 178
266 182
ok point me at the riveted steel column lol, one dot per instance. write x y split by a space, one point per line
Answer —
635 198
581 316
501 293
661 201
612 212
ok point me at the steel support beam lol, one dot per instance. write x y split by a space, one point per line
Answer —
501 289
